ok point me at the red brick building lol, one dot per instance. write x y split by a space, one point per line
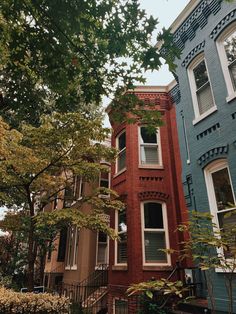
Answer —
147 176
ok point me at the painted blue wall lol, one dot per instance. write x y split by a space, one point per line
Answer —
215 133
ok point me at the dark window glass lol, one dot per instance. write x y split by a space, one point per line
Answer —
147 136
62 245
153 216
200 74
122 141
223 189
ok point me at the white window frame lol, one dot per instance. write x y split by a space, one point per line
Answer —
215 166
114 304
119 152
159 151
109 180
193 88
116 242
165 229
224 62
78 180
71 259
106 251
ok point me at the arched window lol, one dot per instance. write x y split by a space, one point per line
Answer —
220 194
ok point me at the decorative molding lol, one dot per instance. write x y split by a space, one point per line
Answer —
153 195
230 17
212 154
151 178
199 48
197 19
208 131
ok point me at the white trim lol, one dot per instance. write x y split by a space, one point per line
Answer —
114 304
165 229
116 243
106 251
193 88
213 167
120 151
159 150
223 60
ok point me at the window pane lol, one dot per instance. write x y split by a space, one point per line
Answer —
200 74
121 307
121 160
149 155
223 189
102 237
228 223
121 141
230 47
122 249
102 253
232 70
122 227
147 136
154 241
205 99
153 218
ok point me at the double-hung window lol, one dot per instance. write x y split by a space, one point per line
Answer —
203 101
155 233
102 248
121 147
226 45
121 245
221 195
72 248
150 151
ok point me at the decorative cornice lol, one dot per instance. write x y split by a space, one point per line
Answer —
229 18
212 154
153 195
192 54
197 19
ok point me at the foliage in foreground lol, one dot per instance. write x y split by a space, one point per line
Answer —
16 302
160 293
38 164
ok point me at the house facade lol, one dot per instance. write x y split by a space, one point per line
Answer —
79 257
205 98
146 176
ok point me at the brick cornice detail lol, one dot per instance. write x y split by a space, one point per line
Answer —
148 195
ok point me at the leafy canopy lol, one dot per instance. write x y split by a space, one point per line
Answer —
66 55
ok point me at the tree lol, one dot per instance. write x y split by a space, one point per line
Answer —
38 163
66 55
212 247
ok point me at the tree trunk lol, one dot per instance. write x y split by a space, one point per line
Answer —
31 258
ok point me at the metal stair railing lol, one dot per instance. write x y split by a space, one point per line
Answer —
87 288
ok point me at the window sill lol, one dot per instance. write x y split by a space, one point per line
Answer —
204 115
118 173
120 267
231 97
157 268
151 167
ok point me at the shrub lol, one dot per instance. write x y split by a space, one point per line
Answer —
27 303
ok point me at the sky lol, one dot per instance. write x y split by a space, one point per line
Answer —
166 12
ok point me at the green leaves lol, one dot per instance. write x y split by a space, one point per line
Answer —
67 64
